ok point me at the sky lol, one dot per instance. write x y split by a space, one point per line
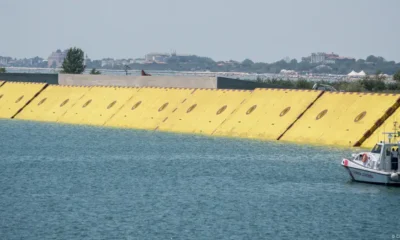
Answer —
261 30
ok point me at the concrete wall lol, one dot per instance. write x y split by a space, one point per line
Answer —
30 77
137 81
133 81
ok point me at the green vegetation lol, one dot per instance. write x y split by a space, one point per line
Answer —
374 83
196 63
396 76
95 72
74 62
3 70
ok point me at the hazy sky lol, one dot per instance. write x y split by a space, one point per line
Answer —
262 30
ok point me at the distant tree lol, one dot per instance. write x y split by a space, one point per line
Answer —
372 58
95 72
304 84
372 84
379 76
293 62
3 70
396 76
247 63
360 61
74 62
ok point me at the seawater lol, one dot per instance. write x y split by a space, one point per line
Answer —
79 182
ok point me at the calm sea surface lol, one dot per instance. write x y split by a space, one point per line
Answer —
78 182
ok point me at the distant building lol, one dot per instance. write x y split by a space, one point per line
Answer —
107 62
318 57
56 58
5 60
328 58
87 60
139 60
156 57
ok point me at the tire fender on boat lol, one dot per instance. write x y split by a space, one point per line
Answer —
394 177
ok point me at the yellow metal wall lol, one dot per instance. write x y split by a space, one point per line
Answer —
267 113
97 105
15 95
302 116
203 111
383 125
340 119
149 107
52 103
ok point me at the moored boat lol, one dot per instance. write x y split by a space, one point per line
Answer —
379 166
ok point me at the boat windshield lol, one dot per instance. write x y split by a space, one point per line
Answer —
377 149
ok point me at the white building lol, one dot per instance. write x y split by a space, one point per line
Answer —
56 58
154 57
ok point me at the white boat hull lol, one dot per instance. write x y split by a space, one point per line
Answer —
362 174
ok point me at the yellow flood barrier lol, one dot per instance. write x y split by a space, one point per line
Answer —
267 113
52 103
149 107
340 119
203 111
15 95
389 123
97 105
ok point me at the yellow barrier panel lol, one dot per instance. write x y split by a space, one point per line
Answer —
52 103
15 95
389 123
148 107
204 111
267 113
1 83
340 119
97 105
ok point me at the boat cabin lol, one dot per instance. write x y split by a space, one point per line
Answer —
386 156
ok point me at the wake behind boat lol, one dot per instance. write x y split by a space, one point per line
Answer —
380 165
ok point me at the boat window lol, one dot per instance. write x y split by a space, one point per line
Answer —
377 149
388 151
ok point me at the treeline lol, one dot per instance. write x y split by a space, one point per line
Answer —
195 63
374 83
